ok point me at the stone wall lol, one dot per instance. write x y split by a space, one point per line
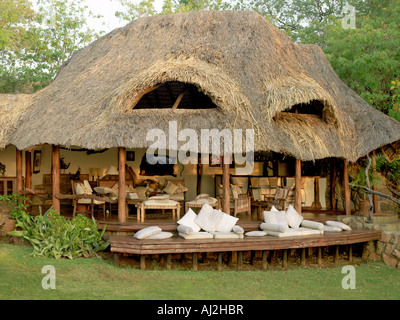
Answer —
387 249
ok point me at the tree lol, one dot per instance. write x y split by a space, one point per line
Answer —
55 31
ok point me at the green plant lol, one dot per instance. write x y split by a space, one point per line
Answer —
51 235
16 203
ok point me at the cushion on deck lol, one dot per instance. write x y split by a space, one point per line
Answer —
293 218
209 219
226 235
147 232
238 230
276 217
227 222
338 224
312 225
256 234
273 227
188 220
295 232
197 235
161 235
332 229
184 229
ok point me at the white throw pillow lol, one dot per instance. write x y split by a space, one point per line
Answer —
160 236
184 229
332 229
256 234
188 220
238 230
147 232
276 217
274 209
312 225
227 223
293 218
338 224
170 188
273 227
209 219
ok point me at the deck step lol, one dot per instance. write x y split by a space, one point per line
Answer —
382 218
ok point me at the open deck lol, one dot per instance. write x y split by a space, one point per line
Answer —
130 245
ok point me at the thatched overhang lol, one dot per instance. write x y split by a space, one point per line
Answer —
250 71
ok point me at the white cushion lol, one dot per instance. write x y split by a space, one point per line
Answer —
308 231
197 235
287 233
273 227
87 186
276 217
256 234
161 235
238 230
209 219
293 218
170 188
184 229
227 223
312 225
332 229
226 235
104 190
141 191
89 201
188 220
338 224
274 209
147 232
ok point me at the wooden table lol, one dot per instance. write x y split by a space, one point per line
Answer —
142 207
260 206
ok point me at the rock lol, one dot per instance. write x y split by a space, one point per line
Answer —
386 237
390 260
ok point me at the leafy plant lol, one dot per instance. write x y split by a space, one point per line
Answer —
51 235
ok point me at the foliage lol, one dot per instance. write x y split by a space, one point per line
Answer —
51 235
33 48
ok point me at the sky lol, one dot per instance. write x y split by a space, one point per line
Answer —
107 9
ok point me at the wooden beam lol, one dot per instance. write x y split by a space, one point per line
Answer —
375 196
297 201
19 170
347 204
226 186
55 173
121 185
333 183
141 94
28 170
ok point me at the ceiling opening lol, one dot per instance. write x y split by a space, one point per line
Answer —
174 95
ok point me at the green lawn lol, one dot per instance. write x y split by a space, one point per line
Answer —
95 278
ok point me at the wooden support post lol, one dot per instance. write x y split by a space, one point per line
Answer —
333 183
142 262
239 260
350 253
226 185
55 173
346 188
121 185
285 259
219 261
297 199
374 196
252 257
364 251
264 261
169 263
195 263
28 170
336 253
20 186
319 256
116 259
303 257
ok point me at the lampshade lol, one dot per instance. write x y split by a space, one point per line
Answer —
112 171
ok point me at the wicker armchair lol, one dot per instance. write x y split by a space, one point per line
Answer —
239 202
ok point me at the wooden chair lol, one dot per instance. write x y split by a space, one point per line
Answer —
85 197
239 202
282 198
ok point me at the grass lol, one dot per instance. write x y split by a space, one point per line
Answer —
98 279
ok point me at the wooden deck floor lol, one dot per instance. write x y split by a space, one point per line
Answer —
130 245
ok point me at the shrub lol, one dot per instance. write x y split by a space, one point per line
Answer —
51 235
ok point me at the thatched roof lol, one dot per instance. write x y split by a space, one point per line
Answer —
250 70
